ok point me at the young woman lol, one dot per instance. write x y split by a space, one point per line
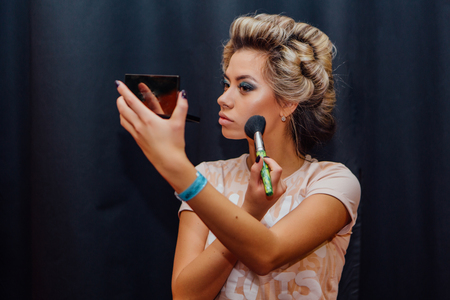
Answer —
234 242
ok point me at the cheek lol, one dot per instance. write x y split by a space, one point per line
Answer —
233 133
260 105
268 109
250 109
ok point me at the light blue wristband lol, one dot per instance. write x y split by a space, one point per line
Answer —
195 188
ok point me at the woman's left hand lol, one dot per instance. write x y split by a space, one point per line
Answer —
256 202
161 140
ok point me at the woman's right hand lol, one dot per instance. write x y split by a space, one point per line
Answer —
256 202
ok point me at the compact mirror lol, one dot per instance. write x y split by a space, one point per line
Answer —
157 92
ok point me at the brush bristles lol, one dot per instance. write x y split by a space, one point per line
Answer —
255 124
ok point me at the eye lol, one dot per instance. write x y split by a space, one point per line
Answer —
225 84
246 87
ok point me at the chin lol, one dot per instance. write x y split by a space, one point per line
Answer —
233 135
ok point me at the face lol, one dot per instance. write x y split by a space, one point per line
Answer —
246 93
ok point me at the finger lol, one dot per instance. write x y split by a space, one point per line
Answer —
150 99
128 126
255 170
126 112
134 103
180 111
275 169
144 89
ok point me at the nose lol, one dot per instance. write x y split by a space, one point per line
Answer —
225 100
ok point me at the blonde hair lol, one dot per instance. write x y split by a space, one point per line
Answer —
298 69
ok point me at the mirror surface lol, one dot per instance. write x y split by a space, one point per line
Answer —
157 92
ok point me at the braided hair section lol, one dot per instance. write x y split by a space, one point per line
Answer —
298 69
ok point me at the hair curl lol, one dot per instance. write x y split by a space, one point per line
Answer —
298 69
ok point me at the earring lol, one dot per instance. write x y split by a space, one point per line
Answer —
283 118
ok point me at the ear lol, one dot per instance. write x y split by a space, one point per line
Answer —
287 109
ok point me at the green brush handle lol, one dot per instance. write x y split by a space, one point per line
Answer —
265 174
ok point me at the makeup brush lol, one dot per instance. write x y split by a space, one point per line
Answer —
254 129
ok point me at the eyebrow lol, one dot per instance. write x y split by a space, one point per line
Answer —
241 77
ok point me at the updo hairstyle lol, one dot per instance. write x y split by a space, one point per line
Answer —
298 69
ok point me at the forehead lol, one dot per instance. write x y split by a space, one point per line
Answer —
247 62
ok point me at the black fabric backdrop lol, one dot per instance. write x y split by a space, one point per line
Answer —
83 215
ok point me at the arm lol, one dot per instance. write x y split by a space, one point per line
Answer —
320 216
197 272
316 220
200 273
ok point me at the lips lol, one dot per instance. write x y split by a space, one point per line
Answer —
224 120
223 116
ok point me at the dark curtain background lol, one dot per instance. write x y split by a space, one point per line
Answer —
83 215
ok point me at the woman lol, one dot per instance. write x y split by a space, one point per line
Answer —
290 245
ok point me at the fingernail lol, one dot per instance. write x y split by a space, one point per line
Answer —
117 83
183 94
258 158
266 156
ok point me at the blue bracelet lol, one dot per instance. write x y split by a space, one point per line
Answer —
195 188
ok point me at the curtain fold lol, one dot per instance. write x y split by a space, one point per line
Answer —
83 215
15 140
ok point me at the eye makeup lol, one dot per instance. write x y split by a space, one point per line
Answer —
246 87
225 84
243 86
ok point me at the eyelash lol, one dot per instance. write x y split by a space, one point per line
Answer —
246 87
225 84
243 86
